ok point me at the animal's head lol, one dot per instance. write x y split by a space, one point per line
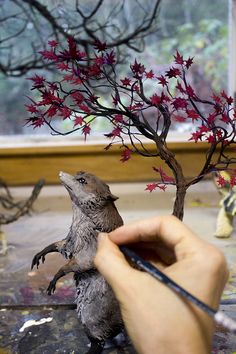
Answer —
87 189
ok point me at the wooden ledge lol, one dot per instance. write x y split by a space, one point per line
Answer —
25 165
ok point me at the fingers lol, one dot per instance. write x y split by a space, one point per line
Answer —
167 229
112 264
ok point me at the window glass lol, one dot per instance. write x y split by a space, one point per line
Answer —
196 28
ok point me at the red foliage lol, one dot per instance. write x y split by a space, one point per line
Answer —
173 99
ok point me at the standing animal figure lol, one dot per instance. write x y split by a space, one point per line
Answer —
94 211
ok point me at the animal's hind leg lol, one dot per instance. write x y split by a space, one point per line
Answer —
54 247
71 266
96 346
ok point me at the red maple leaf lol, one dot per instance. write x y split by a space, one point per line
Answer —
86 130
100 46
162 80
63 66
180 103
84 108
233 180
78 120
179 118
31 108
164 177
149 74
116 131
196 136
52 111
65 112
77 97
138 69
180 87
189 62
37 80
126 81
49 55
225 118
156 100
53 43
125 155
190 91
36 122
110 58
192 114
204 129
173 72
228 99
211 139
151 187
118 118
211 118
178 58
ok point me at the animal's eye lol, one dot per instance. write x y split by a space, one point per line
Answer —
81 180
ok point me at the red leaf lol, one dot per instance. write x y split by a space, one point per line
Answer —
53 43
86 130
188 62
225 118
229 99
196 136
151 187
49 55
126 81
63 66
110 58
162 80
180 87
149 74
52 111
78 120
65 112
178 58
164 177
190 91
36 122
138 69
77 97
211 139
211 118
31 108
192 114
118 118
173 72
156 100
179 119
37 80
180 103
233 181
84 108
100 46
116 131
125 155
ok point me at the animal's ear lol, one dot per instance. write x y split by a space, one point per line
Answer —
109 196
112 197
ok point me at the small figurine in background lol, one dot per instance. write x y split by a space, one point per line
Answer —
19 208
224 224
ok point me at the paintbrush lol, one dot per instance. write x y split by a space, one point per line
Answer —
219 316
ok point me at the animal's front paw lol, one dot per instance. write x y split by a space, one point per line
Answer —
51 287
36 260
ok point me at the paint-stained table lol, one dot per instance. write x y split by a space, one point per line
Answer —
55 327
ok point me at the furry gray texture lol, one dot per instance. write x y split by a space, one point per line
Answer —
94 211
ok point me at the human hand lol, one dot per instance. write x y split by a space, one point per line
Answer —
157 319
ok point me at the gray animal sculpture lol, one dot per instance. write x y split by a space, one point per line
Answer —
93 211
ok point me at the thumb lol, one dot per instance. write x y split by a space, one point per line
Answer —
111 263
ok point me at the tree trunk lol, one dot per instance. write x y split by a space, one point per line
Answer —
178 209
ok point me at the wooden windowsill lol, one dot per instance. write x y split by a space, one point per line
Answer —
25 165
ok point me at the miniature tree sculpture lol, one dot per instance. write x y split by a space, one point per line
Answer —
131 108
12 209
